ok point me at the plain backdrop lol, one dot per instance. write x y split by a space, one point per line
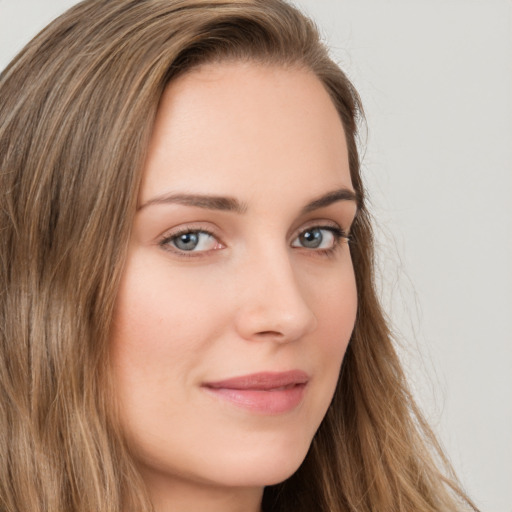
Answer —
435 77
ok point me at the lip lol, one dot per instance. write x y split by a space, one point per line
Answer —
264 392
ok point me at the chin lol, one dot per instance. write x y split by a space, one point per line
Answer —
265 466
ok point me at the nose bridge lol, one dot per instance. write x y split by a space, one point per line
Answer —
273 304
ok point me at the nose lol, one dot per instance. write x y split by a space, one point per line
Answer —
272 305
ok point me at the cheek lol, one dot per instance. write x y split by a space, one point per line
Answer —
161 308
336 310
160 329
335 304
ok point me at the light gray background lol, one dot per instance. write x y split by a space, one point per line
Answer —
435 77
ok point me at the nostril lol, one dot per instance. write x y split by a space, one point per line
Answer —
269 335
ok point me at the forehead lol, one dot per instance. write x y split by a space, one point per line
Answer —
226 128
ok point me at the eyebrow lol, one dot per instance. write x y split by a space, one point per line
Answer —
227 204
342 194
230 204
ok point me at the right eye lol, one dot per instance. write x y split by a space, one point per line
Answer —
191 241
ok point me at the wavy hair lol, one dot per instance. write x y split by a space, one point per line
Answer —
77 107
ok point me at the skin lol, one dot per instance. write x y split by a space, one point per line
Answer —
251 297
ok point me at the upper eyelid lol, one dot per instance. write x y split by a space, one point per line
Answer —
187 228
319 223
178 233
213 231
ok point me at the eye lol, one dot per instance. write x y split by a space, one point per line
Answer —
319 237
191 241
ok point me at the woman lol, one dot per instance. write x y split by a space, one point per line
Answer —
184 325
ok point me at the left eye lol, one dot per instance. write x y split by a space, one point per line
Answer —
318 238
192 241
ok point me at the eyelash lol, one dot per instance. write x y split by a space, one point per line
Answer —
167 241
338 234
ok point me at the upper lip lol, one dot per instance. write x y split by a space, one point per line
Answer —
262 381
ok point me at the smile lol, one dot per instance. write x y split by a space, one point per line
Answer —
266 392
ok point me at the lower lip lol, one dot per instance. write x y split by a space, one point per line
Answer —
262 401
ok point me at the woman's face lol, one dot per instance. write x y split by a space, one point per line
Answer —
238 297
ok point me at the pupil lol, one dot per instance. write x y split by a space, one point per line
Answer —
312 238
187 241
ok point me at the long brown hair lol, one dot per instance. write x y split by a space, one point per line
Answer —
77 107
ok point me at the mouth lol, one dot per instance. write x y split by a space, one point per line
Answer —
265 392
